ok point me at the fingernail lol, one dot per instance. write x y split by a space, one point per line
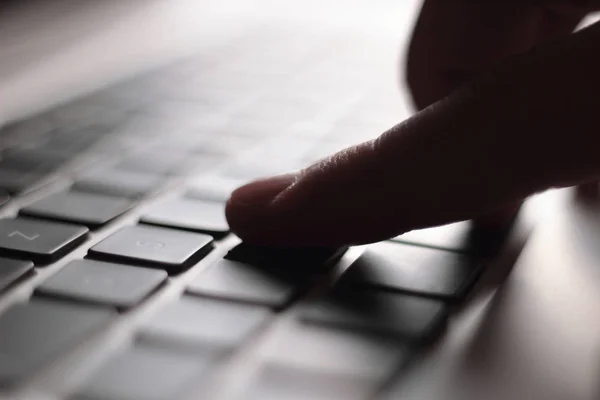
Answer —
263 191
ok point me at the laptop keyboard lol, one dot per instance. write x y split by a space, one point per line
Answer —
114 211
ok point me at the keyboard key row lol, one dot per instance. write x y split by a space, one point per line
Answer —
44 241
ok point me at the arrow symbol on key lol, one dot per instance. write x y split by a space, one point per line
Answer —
24 236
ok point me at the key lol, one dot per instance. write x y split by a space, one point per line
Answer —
19 182
294 262
33 160
356 354
40 241
409 317
399 267
214 188
92 210
202 323
115 182
34 334
71 144
13 270
120 286
460 236
237 281
227 145
145 373
156 163
194 215
276 382
249 170
157 247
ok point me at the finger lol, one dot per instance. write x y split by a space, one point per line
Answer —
455 40
462 157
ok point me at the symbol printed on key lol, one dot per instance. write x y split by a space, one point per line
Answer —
24 236
150 244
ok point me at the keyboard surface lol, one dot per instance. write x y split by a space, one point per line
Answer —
116 259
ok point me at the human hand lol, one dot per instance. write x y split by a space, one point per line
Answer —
522 121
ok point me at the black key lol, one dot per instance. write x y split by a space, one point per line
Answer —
40 241
399 267
33 161
205 324
403 316
12 270
92 210
119 183
19 182
145 373
189 214
35 333
237 281
459 236
304 261
158 247
120 286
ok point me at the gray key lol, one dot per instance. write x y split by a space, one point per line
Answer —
89 209
205 324
327 351
154 162
214 188
189 214
404 316
33 160
156 247
401 267
40 241
145 373
20 182
276 382
234 280
13 270
120 286
35 333
116 182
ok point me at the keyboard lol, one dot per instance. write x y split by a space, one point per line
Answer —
120 279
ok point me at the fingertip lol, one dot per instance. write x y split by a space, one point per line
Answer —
249 209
